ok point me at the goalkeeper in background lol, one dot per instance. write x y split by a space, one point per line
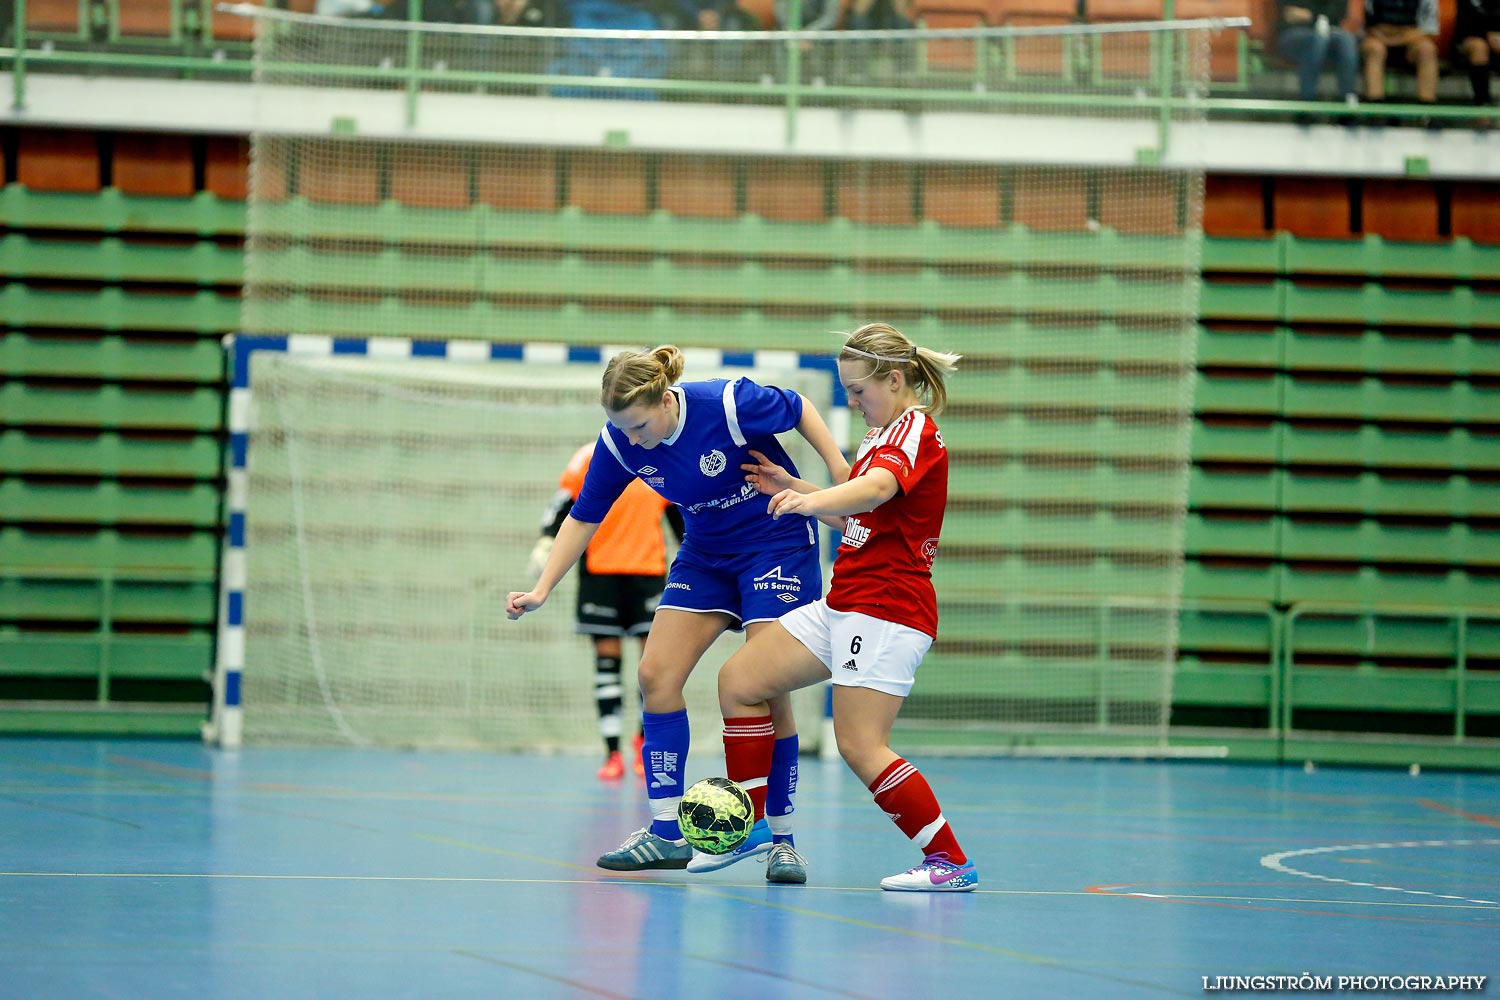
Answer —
620 583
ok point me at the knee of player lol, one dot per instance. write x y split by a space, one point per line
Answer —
656 680
736 686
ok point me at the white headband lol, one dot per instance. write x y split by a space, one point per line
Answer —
877 357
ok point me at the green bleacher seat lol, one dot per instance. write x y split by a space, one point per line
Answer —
1232 487
1371 492
1244 441
111 406
1372 541
1372 585
1372 446
112 357
113 211
109 453
1452 352
112 259
109 502
46 596
113 308
1375 400
184 657
107 549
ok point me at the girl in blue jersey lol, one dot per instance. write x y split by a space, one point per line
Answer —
738 568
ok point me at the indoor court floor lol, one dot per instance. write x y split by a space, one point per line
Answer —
145 869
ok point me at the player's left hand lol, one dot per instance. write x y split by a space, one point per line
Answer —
765 475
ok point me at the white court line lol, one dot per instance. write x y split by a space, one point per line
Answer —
1275 862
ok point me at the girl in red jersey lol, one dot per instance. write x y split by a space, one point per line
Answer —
880 615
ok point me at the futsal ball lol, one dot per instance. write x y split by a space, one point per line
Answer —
715 815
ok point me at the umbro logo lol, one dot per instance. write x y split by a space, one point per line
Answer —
788 598
851 665
647 471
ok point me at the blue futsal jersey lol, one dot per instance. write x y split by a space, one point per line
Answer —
698 467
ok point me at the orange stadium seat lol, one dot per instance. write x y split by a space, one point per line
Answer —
964 197
1401 210
1124 56
878 193
154 164
232 28
520 179
58 161
430 178
1140 203
146 19
1316 207
608 183
1051 199
696 186
1234 205
787 190
1475 212
1035 56
1223 46
226 171
353 180
55 16
951 54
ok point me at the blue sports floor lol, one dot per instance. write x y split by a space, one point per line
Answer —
161 870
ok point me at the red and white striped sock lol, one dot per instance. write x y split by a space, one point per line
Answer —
748 747
907 799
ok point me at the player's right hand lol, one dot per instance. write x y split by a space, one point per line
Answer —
787 502
520 602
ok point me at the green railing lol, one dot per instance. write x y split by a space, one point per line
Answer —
193 52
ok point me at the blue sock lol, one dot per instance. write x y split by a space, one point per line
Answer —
665 752
781 789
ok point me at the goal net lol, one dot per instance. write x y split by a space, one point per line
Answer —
391 506
1028 197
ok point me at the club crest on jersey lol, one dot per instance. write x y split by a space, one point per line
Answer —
713 463
929 550
855 534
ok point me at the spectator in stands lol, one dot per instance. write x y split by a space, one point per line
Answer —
722 60
1310 35
640 59
878 15
530 14
813 15
1476 36
1411 25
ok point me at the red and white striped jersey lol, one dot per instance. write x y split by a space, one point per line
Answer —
884 563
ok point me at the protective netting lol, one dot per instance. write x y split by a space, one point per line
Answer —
429 202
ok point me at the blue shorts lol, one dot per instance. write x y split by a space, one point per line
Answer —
750 586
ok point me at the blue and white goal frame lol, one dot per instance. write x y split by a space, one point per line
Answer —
225 726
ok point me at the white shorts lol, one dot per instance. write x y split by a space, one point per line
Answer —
858 650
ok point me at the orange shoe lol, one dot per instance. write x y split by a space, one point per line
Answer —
613 769
637 761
